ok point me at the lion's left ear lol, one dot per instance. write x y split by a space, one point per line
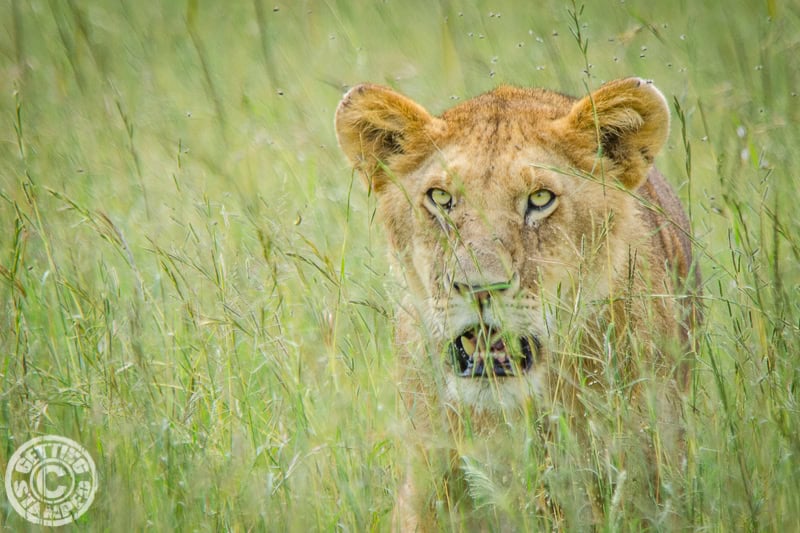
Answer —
630 119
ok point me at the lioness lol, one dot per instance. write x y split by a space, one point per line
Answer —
545 259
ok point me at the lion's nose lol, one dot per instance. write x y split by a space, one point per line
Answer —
483 293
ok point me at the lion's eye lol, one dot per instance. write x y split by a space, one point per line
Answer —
540 200
441 198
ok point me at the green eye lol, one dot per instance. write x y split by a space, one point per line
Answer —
441 198
541 199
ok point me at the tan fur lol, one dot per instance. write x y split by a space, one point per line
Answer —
601 271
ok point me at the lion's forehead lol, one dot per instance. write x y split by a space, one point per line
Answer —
514 104
477 169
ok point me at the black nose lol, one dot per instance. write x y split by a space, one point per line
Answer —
481 294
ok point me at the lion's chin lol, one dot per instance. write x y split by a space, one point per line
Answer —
481 352
494 396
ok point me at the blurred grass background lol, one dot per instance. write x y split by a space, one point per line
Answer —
194 288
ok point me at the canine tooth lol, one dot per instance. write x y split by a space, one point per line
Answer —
468 345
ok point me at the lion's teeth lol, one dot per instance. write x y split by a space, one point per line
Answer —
498 345
468 345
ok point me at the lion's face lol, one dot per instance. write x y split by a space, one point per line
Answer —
499 246
503 217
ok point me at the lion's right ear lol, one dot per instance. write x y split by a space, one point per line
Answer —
382 131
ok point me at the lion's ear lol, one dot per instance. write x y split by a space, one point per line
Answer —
382 131
630 120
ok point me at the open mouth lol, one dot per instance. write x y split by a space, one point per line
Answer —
480 352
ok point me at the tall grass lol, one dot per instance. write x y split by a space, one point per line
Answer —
194 288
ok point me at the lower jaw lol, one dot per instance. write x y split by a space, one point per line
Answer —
491 399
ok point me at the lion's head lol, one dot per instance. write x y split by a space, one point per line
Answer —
503 211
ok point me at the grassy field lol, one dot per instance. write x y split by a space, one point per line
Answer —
194 288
